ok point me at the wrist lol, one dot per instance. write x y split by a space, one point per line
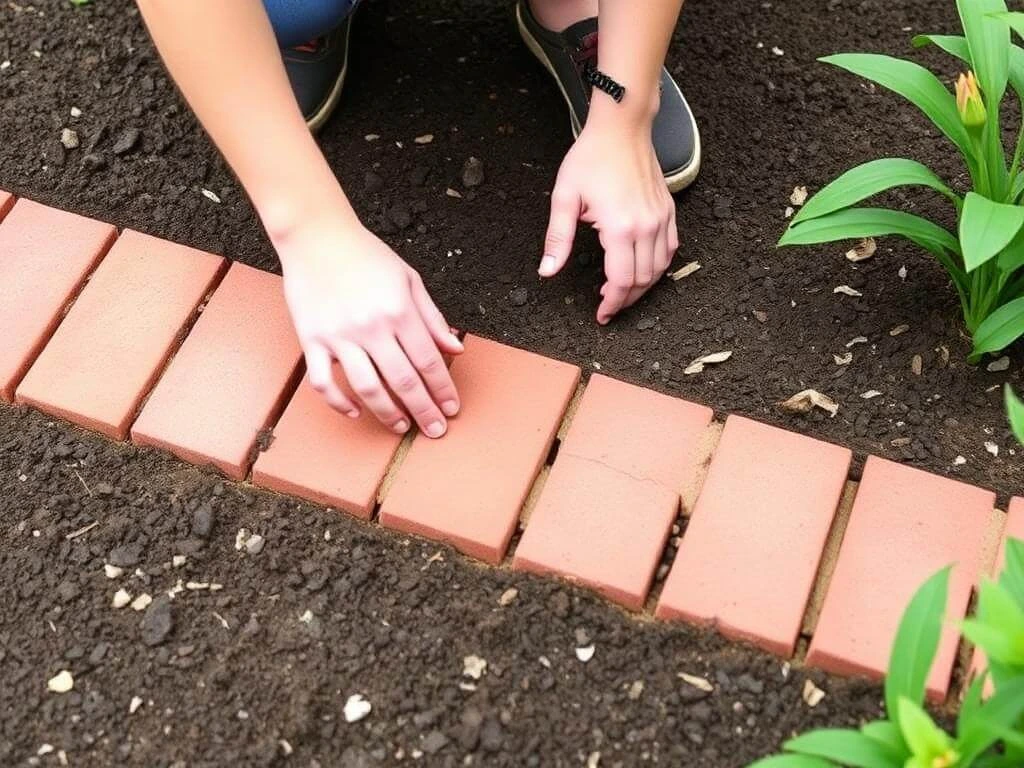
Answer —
634 114
287 212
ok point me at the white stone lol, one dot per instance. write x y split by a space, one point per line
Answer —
62 682
356 708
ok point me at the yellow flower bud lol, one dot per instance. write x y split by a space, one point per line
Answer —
969 102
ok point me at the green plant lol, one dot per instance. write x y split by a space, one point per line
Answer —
985 259
989 732
1015 409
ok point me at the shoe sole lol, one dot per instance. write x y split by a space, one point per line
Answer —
324 112
677 180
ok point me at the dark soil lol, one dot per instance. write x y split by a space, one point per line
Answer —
457 70
228 677
329 608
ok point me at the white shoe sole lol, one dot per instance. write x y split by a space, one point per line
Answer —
321 116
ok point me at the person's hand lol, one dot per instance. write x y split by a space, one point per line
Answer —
355 301
611 179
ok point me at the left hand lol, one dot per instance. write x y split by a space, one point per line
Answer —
612 180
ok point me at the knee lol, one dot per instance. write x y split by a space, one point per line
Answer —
298 21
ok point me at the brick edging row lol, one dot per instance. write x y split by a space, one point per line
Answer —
130 335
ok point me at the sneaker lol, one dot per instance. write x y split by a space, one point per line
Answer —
317 73
566 55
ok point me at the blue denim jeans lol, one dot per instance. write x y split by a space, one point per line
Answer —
298 21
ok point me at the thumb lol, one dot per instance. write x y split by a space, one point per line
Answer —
565 213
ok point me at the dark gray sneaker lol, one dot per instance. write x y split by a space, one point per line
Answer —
317 73
566 55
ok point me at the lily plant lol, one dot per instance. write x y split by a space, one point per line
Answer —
989 731
985 257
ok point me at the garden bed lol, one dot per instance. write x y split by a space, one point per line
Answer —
771 117
328 608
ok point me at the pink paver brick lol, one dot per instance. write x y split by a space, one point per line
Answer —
230 378
637 431
469 487
905 525
599 527
45 255
1014 530
326 457
6 202
750 553
609 502
107 353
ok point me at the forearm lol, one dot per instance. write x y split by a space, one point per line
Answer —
632 52
225 60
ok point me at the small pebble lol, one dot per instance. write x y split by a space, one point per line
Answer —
69 139
356 708
62 682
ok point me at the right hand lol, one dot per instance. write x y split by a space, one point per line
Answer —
353 300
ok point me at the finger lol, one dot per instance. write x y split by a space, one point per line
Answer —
319 368
565 214
367 384
662 253
405 382
438 327
644 251
423 353
673 232
619 267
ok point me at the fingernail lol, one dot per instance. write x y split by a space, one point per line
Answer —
353 414
547 264
458 344
449 407
402 427
435 429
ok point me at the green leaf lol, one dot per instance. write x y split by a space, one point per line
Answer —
1013 19
868 180
957 46
888 736
1012 577
917 640
997 645
1015 410
989 40
851 223
972 700
986 228
844 746
989 722
854 223
922 735
914 83
1000 329
792 761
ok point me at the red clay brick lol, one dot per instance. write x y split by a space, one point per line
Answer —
468 487
45 255
599 527
6 202
636 431
326 457
107 353
751 550
905 525
229 379
609 502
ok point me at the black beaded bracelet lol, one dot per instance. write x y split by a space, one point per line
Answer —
602 82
